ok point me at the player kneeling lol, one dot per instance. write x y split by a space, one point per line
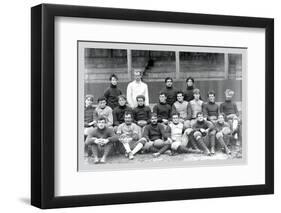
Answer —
179 140
222 133
129 134
202 134
155 138
101 139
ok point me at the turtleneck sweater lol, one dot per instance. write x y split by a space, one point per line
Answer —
111 94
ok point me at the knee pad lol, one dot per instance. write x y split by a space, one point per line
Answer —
175 145
219 135
158 143
197 134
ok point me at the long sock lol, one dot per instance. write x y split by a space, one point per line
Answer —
95 150
164 148
193 143
212 141
107 149
221 142
127 147
203 145
137 148
153 149
182 149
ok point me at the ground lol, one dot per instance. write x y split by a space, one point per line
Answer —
236 153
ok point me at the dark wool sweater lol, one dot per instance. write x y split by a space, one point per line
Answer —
188 94
163 111
89 115
210 109
106 133
201 125
153 132
118 114
171 94
229 108
111 94
219 126
142 113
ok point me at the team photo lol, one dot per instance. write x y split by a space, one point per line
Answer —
146 104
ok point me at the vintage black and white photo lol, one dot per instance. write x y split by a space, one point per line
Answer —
142 105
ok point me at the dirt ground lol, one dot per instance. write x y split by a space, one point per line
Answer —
236 153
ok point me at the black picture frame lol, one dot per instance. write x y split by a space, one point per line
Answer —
43 105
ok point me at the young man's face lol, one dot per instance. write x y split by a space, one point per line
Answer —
189 83
137 76
200 117
196 96
169 83
114 81
154 120
162 98
140 102
175 119
212 98
220 119
128 119
180 97
102 104
101 124
122 102
88 102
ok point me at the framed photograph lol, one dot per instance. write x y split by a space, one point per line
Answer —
141 106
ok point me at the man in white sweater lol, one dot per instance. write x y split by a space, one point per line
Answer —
135 88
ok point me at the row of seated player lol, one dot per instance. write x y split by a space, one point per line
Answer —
201 137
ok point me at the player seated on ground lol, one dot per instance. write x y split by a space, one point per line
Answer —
202 134
230 110
155 138
104 111
179 140
195 105
141 113
181 107
112 92
101 139
89 114
170 91
163 109
222 133
210 108
120 110
129 134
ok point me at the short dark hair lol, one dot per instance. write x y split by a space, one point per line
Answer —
102 98
100 118
168 78
122 96
180 92
199 113
189 78
113 76
163 93
154 115
140 96
211 92
128 113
